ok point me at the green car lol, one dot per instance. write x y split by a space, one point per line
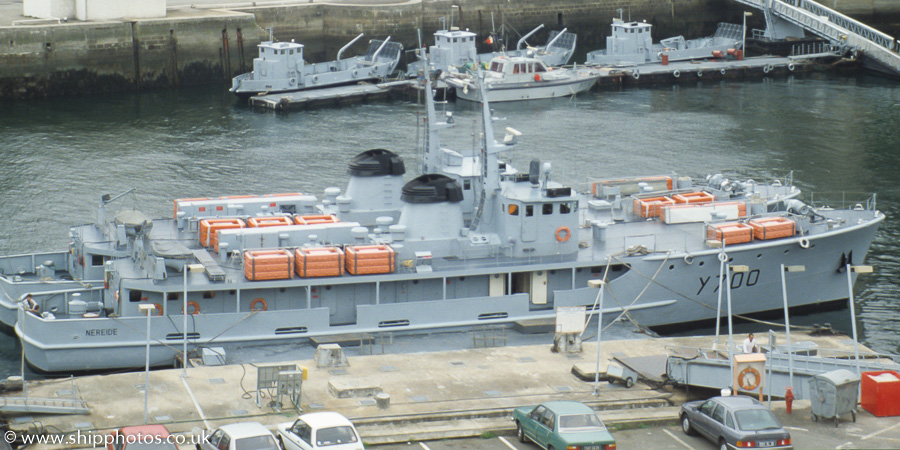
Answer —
563 425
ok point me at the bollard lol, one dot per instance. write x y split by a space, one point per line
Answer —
789 398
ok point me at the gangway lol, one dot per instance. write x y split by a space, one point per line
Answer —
840 30
710 368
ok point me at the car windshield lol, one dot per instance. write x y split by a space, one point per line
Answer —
334 436
579 421
756 419
256 443
152 446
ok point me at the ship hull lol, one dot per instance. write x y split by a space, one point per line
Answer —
532 90
656 289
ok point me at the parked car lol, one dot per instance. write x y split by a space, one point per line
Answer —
319 430
733 422
141 437
562 425
240 436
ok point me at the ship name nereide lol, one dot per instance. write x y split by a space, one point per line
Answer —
102 332
738 280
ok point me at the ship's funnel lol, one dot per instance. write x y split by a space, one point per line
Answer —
432 209
376 177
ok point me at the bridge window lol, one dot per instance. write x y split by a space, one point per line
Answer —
565 208
529 210
514 210
547 208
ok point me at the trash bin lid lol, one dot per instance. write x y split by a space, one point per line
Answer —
838 377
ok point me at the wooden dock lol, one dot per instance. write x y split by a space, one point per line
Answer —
328 96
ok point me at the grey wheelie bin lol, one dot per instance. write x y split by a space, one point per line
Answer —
833 394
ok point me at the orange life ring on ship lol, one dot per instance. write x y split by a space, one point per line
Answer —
195 305
159 310
265 306
563 234
742 378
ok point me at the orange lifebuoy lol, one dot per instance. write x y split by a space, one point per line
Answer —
159 310
742 378
265 306
195 305
563 234
537 77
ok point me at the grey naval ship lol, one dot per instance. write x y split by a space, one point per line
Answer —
471 241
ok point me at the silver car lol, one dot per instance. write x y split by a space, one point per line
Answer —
734 422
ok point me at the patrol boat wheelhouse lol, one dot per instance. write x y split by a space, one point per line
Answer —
471 241
280 67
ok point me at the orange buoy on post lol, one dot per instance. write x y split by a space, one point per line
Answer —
537 77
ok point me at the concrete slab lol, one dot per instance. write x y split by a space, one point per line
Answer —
427 390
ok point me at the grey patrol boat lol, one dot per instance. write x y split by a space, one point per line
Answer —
280 67
470 242
630 44
454 49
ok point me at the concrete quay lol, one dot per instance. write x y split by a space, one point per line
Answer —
438 395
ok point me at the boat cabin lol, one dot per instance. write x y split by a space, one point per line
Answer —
278 60
517 65
453 48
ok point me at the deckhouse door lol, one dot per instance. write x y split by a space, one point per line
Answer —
529 223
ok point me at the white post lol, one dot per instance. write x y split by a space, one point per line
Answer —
184 326
722 258
857 269
598 284
787 327
147 308
744 33
730 329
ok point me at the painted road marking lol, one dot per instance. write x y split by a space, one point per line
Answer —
504 441
676 438
880 431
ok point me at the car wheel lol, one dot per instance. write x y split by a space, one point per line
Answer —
686 425
520 433
722 445
629 382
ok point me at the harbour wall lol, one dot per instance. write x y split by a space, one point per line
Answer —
194 46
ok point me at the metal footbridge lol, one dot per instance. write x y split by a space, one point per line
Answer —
841 31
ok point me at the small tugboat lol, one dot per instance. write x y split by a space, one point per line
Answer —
454 50
280 68
470 241
630 44
513 78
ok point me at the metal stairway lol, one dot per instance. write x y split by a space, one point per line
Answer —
840 30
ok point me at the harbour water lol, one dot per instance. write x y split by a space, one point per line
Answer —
838 133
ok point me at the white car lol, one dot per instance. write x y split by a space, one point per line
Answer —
320 430
240 436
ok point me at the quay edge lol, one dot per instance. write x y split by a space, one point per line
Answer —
208 46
